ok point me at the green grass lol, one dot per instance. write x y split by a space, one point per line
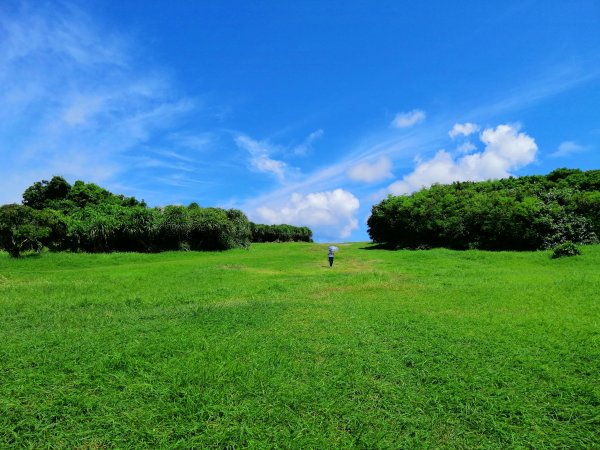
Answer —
268 347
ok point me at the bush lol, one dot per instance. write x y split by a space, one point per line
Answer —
212 229
526 213
22 228
87 217
565 249
172 224
280 233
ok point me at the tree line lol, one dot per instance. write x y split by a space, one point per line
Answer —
516 213
280 233
86 217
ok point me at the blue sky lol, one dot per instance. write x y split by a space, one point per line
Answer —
295 112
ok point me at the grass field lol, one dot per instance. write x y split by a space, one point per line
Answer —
268 347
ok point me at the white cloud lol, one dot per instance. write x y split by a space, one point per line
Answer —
466 147
568 148
259 157
505 149
408 119
465 129
330 214
370 173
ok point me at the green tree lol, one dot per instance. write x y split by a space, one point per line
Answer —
42 194
510 214
22 228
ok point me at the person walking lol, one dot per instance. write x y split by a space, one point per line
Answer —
331 254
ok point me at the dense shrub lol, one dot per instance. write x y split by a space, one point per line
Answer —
172 227
87 217
240 229
510 214
280 233
104 228
218 229
23 228
566 249
110 227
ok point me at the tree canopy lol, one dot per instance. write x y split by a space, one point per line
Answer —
524 213
87 217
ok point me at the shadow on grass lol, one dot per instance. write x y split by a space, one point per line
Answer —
396 247
424 247
23 255
390 247
377 247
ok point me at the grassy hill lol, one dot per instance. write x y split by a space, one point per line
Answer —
269 347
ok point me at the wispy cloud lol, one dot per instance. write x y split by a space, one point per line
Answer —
370 173
259 157
306 146
73 98
192 141
408 119
569 148
173 155
555 80
164 164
